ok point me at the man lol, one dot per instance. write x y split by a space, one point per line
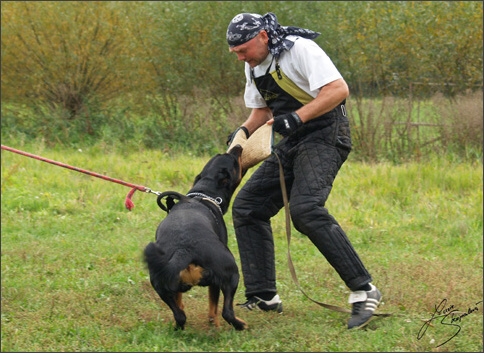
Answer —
293 85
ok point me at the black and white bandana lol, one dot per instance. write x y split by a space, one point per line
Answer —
246 26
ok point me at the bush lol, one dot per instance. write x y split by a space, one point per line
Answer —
462 123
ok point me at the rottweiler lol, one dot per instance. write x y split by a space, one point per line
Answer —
191 242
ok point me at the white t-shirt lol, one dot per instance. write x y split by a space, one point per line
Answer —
306 64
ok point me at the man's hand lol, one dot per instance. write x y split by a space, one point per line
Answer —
286 124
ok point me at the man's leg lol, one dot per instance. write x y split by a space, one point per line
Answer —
256 202
316 166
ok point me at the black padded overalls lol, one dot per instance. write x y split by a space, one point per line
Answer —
311 157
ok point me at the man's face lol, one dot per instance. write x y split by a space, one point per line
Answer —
254 51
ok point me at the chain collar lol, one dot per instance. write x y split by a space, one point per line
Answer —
216 201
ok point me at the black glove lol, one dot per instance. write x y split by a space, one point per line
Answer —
231 136
286 124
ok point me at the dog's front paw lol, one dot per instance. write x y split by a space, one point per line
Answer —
240 324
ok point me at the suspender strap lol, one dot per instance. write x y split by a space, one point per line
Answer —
290 87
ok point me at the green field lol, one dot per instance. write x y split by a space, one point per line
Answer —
73 277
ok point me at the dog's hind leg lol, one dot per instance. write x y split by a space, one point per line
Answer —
228 314
179 300
174 302
213 297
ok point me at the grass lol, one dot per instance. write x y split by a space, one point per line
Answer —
73 279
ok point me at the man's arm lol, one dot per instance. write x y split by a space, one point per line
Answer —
327 99
257 118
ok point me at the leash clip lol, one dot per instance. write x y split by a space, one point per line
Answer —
148 190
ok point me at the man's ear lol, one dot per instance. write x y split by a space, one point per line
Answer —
264 36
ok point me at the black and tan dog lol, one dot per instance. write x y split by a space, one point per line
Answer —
191 242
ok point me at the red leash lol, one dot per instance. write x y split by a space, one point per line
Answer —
127 202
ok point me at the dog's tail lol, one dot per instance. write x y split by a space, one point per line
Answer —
164 269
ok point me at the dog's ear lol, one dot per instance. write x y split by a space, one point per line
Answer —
223 177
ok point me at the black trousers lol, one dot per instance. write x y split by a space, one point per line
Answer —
311 158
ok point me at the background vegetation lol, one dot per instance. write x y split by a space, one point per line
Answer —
73 279
158 74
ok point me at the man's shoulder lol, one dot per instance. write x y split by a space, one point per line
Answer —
303 43
303 49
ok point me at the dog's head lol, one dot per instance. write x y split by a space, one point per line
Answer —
220 176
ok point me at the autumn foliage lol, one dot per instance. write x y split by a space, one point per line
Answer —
170 58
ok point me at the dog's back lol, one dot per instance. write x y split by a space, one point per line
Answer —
190 234
191 242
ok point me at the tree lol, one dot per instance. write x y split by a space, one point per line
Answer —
62 53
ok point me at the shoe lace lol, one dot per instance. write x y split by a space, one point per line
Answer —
356 308
250 304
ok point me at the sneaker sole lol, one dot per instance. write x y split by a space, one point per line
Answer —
364 324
